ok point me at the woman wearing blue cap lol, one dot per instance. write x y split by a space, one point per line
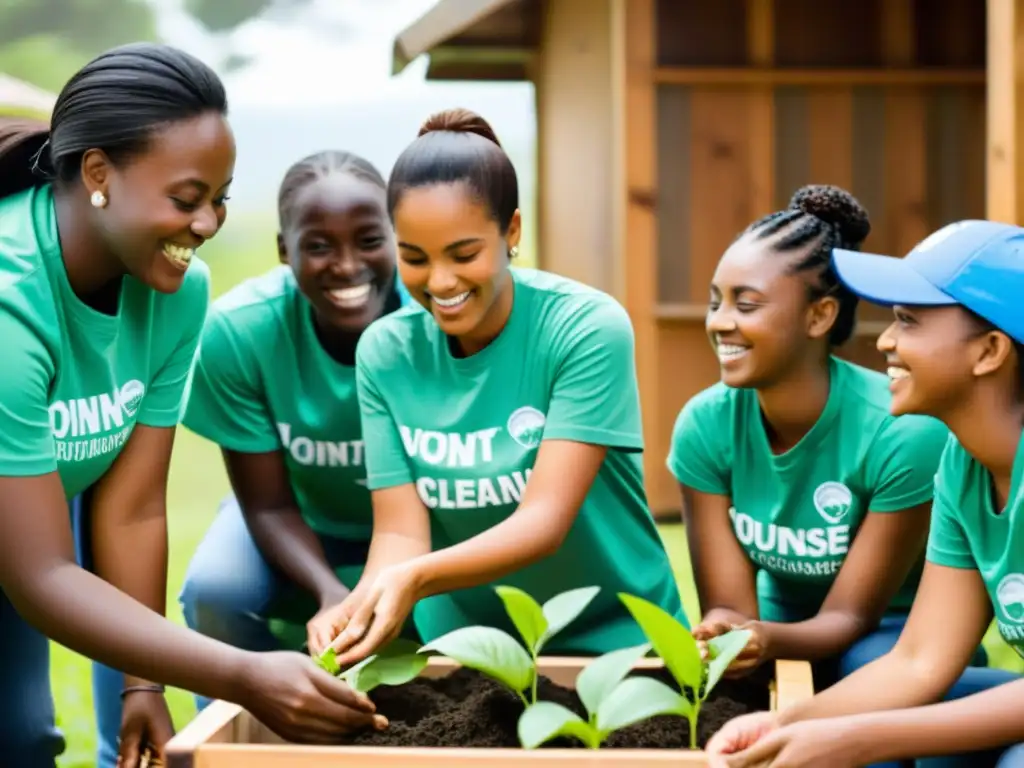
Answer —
956 352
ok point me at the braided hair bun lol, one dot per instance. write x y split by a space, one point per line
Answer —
836 207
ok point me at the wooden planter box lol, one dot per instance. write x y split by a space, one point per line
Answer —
226 736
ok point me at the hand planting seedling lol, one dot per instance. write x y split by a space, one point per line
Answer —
395 664
497 654
611 703
696 675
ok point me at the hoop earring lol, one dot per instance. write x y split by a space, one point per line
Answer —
98 199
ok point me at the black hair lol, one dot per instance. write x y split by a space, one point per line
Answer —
114 103
313 167
458 146
823 217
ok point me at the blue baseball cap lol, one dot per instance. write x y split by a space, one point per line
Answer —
976 264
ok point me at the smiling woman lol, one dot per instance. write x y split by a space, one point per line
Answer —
502 424
806 503
101 307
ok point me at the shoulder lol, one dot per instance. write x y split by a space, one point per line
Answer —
392 337
715 405
867 400
561 302
255 303
955 467
27 238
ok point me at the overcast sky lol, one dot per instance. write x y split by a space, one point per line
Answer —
334 52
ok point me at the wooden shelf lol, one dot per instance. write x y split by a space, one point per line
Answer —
689 312
799 76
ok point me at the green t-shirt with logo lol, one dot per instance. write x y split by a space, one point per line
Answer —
75 381
796 513
466 431
967 531
263 382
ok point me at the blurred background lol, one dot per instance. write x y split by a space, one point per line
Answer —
645 133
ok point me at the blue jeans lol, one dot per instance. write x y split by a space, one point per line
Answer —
232 594
975 678
29 737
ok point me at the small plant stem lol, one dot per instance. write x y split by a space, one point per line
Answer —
693 728
534 686
523 698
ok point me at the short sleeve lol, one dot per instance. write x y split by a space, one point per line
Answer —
697 457
903 460
387 465
227 402
594 397
947 541
26 439
165 396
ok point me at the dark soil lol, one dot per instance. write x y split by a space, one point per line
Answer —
468 709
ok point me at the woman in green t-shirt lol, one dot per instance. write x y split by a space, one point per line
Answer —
101 307
502 421
293 538
806 503
955 352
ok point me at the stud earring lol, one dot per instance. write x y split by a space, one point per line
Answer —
513 251
98 199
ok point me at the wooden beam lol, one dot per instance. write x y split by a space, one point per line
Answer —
813 76
1004 193
636 227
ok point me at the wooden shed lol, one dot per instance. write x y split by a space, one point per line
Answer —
665 126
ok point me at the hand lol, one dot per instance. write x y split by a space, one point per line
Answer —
379 613
300 702
753 655
739 734
332 617
808 744
145 727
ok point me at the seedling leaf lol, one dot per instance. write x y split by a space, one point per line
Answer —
671 640
395 664
546 720
723 649
636 699
328 661
487 650
601 676
562 609
526 614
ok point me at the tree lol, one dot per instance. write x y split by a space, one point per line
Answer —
44 41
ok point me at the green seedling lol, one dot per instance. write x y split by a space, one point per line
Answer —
497 654
612 701
673 642
395 664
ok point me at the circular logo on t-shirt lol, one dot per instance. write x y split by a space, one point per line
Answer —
131 396
526 425
833 501
1010 594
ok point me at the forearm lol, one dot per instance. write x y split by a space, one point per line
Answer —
983 721
893 681
89 616
828 634
131 555
291 546
511 545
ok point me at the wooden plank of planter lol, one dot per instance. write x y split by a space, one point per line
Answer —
226 736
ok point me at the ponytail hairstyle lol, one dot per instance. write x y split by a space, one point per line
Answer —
114 103
458 146
820 217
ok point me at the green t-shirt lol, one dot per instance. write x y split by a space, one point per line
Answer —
968 532
263 382
465 431
75 381
796 513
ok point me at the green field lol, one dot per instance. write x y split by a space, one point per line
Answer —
197 484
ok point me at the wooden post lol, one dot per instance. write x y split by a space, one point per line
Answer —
1004 193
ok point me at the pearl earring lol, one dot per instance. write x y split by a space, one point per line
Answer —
98 199
514 251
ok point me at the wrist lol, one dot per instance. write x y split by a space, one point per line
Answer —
766 637
419 578
237 681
